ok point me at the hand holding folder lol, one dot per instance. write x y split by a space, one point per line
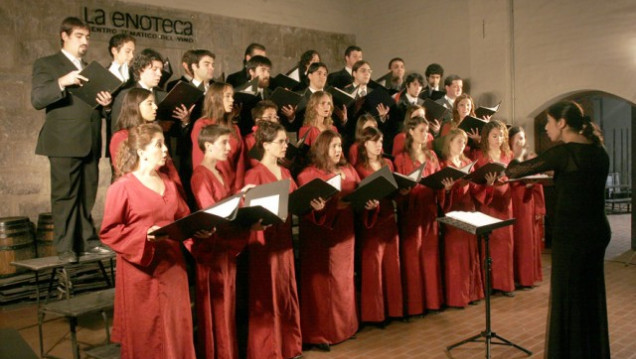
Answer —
435 181
99 80
378 185
410 180
300 199
266 204
181 94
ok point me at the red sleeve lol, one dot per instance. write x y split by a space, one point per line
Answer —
115 142
130 241
240 163
398 144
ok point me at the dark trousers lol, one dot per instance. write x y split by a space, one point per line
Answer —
73 191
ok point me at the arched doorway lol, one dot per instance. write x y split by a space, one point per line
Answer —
616 117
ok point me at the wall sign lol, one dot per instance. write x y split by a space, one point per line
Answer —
138 25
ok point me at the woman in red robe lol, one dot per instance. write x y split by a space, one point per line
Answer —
317 116
462 265
527 250
138 108
265 110
327 293
274 315
381 282
364 121
494 199
215 256
398 141
152 302
217 109
417 214
463 107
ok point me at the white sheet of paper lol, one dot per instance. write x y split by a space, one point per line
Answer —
476 219
336 182
224 210
415 174
270 203
295 75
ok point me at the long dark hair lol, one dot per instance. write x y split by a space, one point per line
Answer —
411 124
368 134
129 115
320 152
213 105
485 132
574 117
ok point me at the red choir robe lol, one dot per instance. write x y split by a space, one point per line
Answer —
381 283
526 253
462 265
496 201
400 138
215 259
169 169
250 142
152 302
327 292
274 315
234 166
353 154
419 240
313 133
471 148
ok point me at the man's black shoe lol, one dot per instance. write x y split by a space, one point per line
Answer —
67 257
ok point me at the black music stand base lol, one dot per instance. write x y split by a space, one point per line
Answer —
487 334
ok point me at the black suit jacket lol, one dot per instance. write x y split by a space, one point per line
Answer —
339 79
238 78
72 128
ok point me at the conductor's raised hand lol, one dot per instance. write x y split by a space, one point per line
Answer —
71 79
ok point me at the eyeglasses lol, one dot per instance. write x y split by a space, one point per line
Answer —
365 70
269 118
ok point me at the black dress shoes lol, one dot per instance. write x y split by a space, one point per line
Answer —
67 257
323 347
98 250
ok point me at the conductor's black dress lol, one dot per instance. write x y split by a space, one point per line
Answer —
577 320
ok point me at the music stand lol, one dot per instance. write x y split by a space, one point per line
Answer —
482 231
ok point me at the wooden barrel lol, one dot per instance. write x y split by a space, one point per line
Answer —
44 235
16 243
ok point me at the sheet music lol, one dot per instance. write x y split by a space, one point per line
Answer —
476 219
270 203
225 209
295 75
415 175
336 182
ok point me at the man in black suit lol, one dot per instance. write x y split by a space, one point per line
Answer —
434 73
454 86
394 80
71 138
257 67
240 77
186 60
344 77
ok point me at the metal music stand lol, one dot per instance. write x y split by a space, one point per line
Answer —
483 232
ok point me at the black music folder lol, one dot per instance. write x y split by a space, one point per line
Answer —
219 214
377 186
284 81
182 93
479 175
474 222
250 86
267 202
435 95
99 79
434 110
470 123
340 97
410 180
299 200
378 96
482 111
434 181
283 97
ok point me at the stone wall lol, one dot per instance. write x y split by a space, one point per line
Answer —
30 30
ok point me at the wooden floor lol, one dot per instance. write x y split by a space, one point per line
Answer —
520 319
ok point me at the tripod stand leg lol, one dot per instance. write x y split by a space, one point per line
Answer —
468 340
508 342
